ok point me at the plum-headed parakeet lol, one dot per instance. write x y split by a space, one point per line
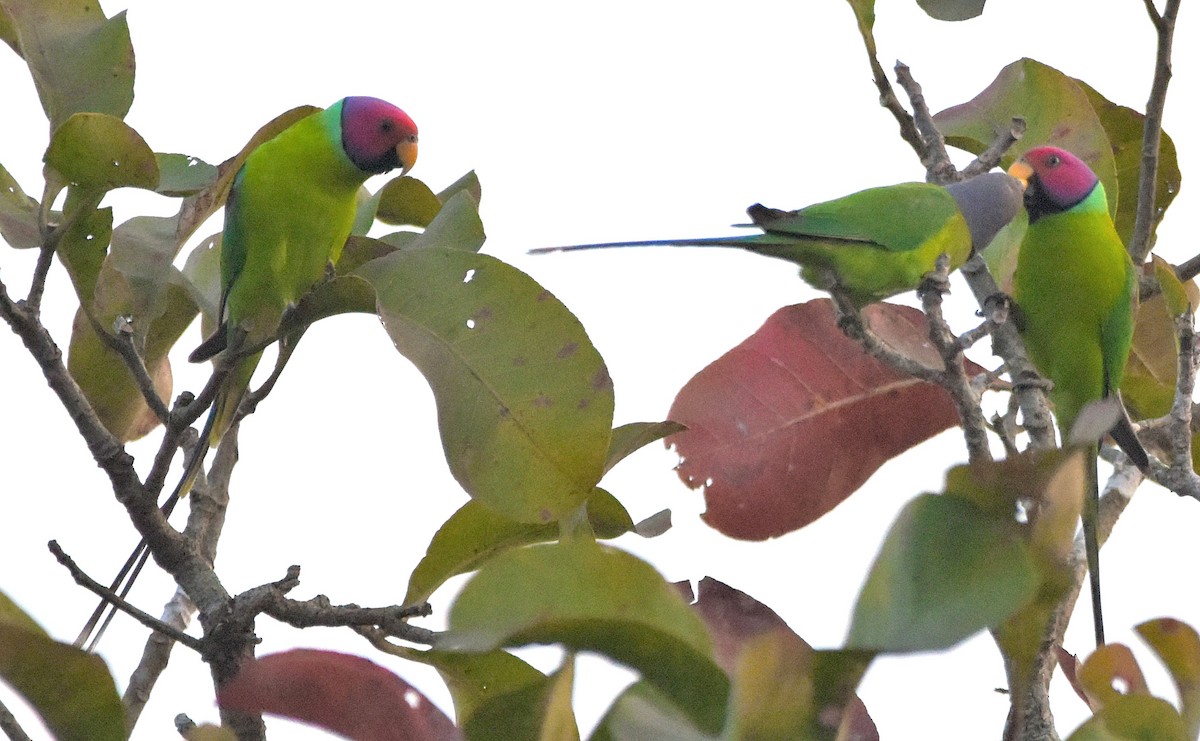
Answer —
1075 288
289 213
290 209
877 242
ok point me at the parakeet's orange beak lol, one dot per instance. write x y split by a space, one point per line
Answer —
407 152
1021 171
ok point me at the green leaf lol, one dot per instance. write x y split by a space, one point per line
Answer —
1133 718
1056 111
1124 129
407 201
483 683
864 13
71 690
12 615
595 598
475 533
642 712
196 208
1148 387
630 438
18 214
524 400
83 245
469 183
457 226
182 175
101 152
947 569
952 10
1178 646
1048 489
138 283
79 59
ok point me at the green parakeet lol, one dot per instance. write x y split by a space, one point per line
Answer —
1076 292
287 218
289 212
877 242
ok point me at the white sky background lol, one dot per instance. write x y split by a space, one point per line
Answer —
586 123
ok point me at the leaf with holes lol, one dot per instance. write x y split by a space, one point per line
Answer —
138 284
344 694
100 152
524 400
789 423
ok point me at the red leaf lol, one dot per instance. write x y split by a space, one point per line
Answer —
734 619
792 421
342 693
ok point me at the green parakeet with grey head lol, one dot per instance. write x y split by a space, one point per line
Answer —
289 212
875 243
1076 292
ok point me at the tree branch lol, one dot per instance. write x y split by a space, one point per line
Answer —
1147 211
954 378
938 168
82 579
10 726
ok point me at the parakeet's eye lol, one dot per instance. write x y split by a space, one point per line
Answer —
1053 160
385 126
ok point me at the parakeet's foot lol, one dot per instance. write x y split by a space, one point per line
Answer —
935 281
1031 380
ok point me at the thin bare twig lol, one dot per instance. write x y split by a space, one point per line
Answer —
954 378
87 582
991 156
1147 210
10 726
935 159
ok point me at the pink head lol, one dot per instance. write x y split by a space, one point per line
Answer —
1055 180
377 136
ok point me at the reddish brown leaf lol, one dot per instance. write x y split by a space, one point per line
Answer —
1069 663
792 421
339 692
739 623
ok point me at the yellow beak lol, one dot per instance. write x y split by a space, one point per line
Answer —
406 151
1022 172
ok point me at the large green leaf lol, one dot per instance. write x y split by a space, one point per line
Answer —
70 689
1056 111
1124 128
1178 645
79 59
1133 718
138 283
18 214
952 10
475 533
947 569
101 152
642 712
482 683
407 201
1148 386
181 175
596 598
524 400
83 244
